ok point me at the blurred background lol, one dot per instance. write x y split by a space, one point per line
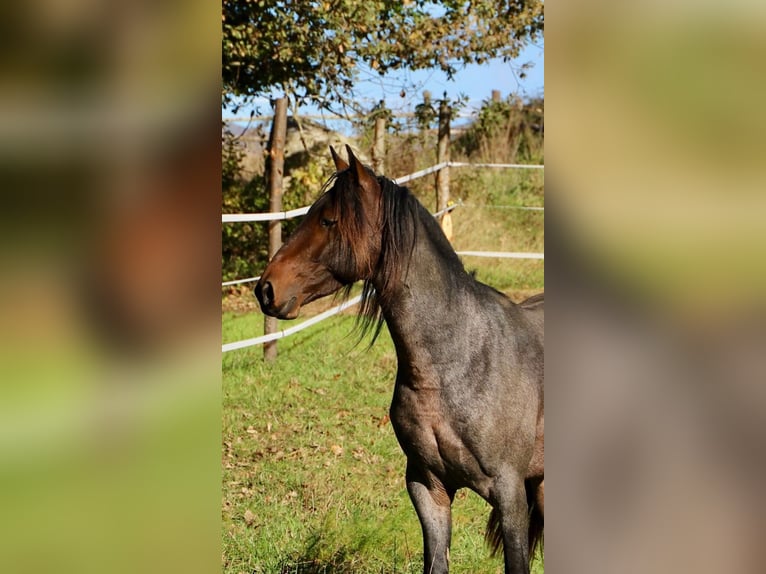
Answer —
655 278
109 356
110 155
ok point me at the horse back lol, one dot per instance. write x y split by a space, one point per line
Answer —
533 302
533 309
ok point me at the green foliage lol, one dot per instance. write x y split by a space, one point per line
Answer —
506 131
379 110
365 129
306 182
243 244
425 113
313 49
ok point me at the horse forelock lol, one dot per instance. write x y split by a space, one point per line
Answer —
355 250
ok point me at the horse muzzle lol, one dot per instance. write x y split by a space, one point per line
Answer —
264 292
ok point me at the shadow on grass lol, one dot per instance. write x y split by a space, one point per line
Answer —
326 556
340 563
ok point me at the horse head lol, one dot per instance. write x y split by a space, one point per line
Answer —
336 244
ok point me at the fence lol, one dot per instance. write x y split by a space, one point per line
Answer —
245 217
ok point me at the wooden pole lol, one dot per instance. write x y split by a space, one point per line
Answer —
275 171
379 146
496 95
442 176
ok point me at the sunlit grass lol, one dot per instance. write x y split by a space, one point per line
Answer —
313 478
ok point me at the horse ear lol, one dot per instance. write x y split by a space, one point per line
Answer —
361 175
367 184
340 165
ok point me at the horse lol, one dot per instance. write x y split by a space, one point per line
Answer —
468 399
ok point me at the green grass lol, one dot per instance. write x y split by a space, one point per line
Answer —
313 478
488 222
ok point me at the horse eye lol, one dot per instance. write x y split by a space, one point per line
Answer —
327 222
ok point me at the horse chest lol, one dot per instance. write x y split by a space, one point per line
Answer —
428 435
414 415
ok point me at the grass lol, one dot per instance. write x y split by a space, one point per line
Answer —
313 478
488 221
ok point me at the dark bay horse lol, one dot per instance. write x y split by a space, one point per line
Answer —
468 400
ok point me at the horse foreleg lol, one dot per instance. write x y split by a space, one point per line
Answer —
511 504
433 504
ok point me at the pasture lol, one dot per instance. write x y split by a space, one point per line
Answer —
313 478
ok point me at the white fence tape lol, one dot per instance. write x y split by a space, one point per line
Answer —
521 207
421 173
447 209
238 281
355 300
251 279
289 331
501 165
503 254
247 217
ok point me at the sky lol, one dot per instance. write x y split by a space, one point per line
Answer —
475 81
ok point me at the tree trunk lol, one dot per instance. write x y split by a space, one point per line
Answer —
275 171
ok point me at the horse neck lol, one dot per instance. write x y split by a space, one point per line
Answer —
422 308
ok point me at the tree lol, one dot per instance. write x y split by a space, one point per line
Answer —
313 49
507 130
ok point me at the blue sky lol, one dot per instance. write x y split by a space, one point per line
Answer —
475 81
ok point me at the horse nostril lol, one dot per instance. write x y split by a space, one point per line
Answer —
267 293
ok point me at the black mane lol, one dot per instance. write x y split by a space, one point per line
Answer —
403 219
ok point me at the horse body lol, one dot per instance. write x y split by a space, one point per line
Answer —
467 395
467 407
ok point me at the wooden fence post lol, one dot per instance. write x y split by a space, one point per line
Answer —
275 170
442 176
379 146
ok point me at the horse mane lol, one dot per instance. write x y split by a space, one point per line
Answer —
402 218
399 232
